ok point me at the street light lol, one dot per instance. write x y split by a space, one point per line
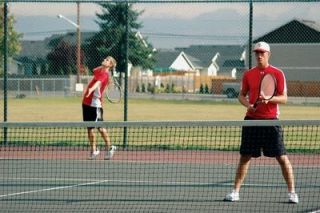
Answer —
77 25
68 20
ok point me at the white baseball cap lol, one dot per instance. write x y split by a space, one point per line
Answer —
262 46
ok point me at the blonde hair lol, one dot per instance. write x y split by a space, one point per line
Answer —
113 61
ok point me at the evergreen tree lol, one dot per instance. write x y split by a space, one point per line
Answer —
143 88
111 39
62 60
173 88
168 89
138 88
201 90
206 89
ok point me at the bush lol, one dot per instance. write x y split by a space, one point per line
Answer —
168 89
138 88
143 88
150 88
206 89
201 90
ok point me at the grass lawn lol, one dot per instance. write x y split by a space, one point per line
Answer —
69 109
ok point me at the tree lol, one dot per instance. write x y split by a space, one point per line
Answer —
143 88
111 39
62 59
14 46
201 90
206 89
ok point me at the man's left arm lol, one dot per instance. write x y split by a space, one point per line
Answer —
280 98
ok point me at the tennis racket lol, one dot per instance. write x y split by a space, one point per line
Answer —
114 91
268 87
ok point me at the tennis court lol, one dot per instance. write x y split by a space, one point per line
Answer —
37 177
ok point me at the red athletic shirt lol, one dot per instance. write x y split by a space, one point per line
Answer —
250 85
95 98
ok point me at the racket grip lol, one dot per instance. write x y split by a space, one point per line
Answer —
256 103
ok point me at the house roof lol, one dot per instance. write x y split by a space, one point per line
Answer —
202 56
298 61
205 53
233 63
164 58
196 62
33 50
295 31
295 49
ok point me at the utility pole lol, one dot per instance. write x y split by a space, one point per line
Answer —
78 44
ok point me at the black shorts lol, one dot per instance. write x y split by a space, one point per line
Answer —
266 139
90 113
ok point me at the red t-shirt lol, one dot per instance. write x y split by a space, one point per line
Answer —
250 85
95 98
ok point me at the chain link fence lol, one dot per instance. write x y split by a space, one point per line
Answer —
166 46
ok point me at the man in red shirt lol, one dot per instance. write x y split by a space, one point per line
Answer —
92 106
252 141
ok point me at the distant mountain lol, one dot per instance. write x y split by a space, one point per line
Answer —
40 27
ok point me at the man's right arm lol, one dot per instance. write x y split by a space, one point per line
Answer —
244 100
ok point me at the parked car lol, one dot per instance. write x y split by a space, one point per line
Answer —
231 89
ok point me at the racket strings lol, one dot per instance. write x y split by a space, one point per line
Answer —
268 87
114 92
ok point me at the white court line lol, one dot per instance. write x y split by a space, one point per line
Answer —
52 179
119 181
86 184
110 180
93 182
51 189
97 181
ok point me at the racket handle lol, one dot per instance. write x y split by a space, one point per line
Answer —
256 104
258 101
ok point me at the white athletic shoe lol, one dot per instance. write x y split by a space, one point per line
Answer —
94 154
293 197
233 196
110 153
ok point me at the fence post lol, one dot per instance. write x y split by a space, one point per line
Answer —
250 33
125 114
5 69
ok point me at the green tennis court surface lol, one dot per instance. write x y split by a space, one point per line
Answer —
165 167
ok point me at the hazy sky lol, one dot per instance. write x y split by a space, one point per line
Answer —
270 10
169 24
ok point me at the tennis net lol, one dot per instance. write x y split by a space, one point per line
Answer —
167 166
